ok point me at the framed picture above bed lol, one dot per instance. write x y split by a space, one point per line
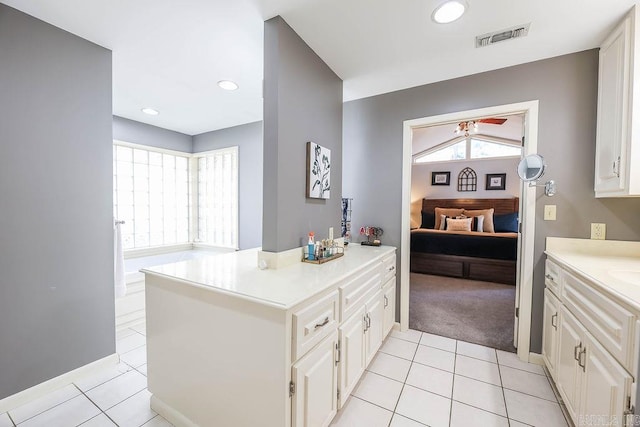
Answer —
496 181
440 178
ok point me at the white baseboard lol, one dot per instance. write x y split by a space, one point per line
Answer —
170 414
42 389
536 358
396 326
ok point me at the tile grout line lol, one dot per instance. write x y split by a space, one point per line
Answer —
96 405
453 382
504 397
48 409
405 380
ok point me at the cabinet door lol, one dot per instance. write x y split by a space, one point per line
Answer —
613 110
567 370
550 331
315 377
375 321
605 385
389 304
352 359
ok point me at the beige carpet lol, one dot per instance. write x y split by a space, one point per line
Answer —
468 310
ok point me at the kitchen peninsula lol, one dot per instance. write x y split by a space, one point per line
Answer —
231 345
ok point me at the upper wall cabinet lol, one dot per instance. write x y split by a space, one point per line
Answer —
617 172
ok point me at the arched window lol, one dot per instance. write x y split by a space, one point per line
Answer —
467 180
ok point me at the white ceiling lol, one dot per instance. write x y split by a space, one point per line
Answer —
169 54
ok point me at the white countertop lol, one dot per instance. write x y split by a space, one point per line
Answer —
611 265
237 273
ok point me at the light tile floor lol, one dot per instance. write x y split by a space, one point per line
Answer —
114 397
418 379
415 380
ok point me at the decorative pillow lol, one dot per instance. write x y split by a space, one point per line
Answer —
443 220
450 212
506 223
477 223
463 224
487 225
428 220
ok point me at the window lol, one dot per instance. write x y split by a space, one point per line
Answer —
482 149
466 148
456 151
218 198
151 194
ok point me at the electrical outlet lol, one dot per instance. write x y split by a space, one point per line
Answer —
549 212
598 231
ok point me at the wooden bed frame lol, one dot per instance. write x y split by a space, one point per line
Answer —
485 269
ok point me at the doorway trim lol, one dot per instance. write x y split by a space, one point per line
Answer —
527 211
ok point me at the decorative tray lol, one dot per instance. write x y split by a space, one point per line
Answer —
325 259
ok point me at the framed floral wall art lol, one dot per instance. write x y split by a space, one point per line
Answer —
318 171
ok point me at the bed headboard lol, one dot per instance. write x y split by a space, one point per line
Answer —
500 206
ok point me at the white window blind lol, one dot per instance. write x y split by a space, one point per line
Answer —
151 194
218 198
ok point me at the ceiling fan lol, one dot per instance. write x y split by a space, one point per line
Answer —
471 126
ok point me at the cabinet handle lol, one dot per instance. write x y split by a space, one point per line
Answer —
364 323
386 301
616 167
555 325
576 353
393 267
324 322
368 321
550 277
582 365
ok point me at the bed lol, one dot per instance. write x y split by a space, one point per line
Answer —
485 256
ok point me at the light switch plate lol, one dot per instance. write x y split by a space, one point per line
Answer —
598 231
549 212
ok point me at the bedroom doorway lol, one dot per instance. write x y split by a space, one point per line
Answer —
524 266
463 275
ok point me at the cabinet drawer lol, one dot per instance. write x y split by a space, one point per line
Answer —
312 323
353 292
609 322
388 267
552 276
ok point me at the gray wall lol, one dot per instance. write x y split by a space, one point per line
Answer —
141 133
567 89
248 139
302 102
56 213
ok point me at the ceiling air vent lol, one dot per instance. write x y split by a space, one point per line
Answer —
502 35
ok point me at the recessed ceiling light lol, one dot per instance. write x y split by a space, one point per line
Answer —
448 12
150 111
227 85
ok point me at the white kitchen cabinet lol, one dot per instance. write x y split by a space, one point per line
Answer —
374 327
606 386
315 387
590 345
360 338
617 162
593 385
568 375
550 331
313 329
352 353
389 304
